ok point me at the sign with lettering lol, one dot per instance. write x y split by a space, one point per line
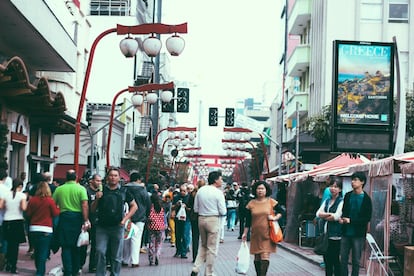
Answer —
363 78
249 123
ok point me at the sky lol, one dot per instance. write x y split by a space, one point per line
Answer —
232 53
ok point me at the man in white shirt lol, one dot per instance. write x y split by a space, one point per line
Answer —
209 203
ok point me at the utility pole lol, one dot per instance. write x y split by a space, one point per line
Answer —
297 138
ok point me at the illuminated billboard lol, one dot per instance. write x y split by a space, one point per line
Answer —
363 78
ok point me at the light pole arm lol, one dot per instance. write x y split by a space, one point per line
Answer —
83 97
111 123
155 142
152 152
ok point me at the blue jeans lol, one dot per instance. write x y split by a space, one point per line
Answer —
187 233
355 245
70 224
231 218
41 244
112 236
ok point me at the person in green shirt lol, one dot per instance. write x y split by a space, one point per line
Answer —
72 200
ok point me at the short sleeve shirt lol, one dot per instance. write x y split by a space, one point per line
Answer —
69 197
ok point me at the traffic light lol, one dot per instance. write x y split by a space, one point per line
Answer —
229 117
89 117
168 107
183 100
213 116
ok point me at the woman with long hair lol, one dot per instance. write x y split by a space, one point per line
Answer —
331 211
156 227
260 211
41 210
13 225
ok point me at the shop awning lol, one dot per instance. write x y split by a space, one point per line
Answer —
336 166
46 109
124 175
60 170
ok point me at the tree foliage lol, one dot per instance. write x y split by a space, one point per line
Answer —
410 116
319 125
3 146
139 161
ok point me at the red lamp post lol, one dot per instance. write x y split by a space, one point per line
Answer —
157 28
130 89
154 145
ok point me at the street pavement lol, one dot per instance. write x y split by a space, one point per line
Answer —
289 259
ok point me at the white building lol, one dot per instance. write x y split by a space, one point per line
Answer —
312 26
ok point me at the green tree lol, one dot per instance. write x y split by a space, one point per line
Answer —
409 127
319 125
3 146
139 160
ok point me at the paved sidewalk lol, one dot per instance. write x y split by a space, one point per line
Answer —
289 260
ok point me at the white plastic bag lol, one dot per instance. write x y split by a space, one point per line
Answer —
83 238
130 230
181 215
243 259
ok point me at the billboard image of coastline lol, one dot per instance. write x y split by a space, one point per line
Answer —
364 86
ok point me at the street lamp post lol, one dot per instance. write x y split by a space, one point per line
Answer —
154 144
240 130
129 47
130 89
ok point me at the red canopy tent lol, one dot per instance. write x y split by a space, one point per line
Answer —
336 166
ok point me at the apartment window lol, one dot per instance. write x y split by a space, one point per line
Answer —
398 12
110 7
371 12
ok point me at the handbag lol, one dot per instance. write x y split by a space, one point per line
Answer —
321 244
243 259
275 232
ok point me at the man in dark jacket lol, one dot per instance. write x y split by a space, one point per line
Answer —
132 246
356 213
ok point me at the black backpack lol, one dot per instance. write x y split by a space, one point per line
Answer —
111 207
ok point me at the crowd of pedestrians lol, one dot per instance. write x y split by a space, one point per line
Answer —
126 220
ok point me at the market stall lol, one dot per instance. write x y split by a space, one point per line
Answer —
303 193
390 185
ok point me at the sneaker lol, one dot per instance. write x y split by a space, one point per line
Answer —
221 241
194 273
173 245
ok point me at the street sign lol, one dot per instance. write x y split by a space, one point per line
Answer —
249 123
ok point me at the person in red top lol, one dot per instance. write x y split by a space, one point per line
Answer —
41 210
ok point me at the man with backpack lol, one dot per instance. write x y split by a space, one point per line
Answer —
111 219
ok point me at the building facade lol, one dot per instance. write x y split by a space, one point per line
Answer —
311 27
